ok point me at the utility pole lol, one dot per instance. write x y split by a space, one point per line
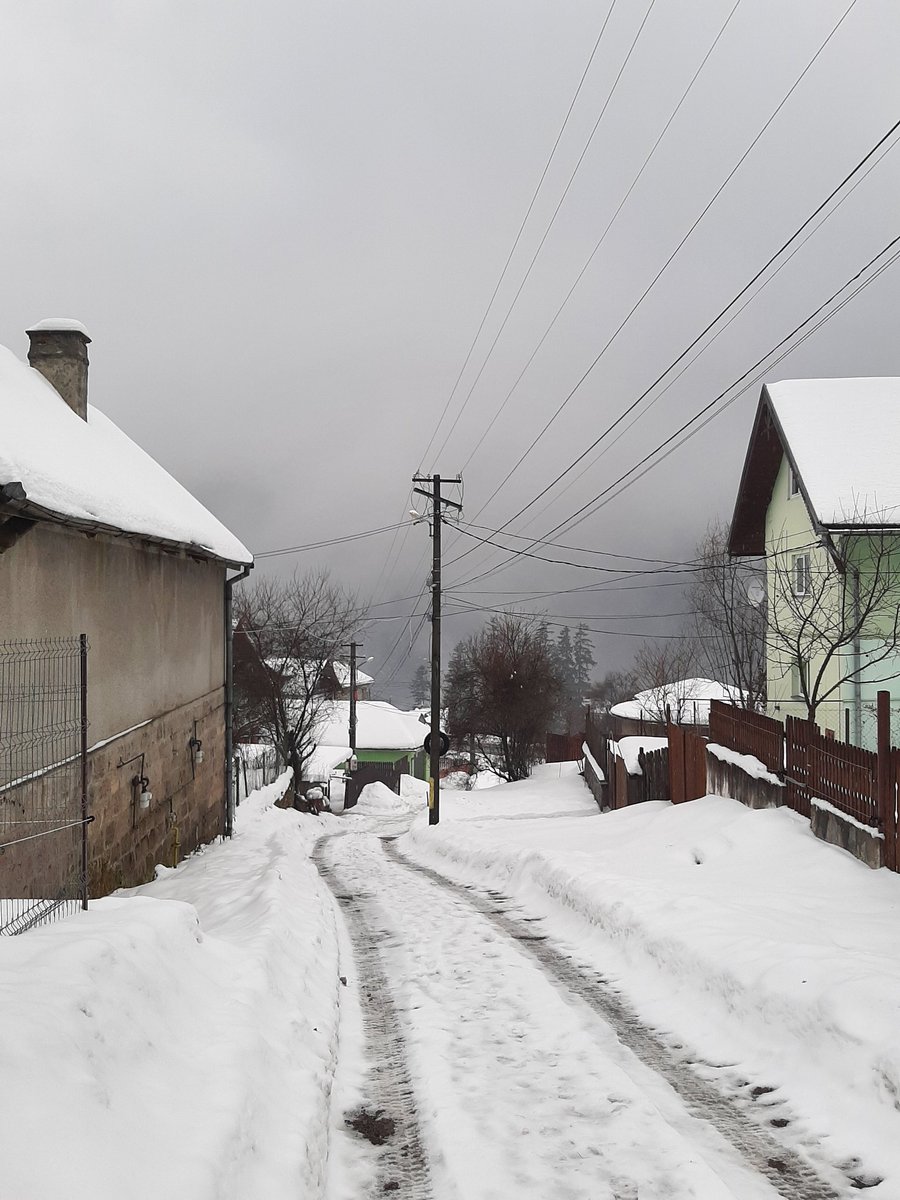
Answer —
438 503
353 646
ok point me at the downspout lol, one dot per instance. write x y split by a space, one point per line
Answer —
228 829
857 660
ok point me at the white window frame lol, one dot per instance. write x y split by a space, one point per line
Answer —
801 578
793 482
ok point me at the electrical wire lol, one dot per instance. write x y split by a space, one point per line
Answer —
338 541
550 225
519 233
591 506
659 274
483 438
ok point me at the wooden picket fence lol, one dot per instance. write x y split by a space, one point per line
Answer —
687 764
747 732
862 784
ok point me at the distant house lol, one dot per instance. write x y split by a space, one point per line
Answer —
334 682
384 735
820 498
97 538
684 701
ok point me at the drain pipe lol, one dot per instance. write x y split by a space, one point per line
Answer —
857 658
228 829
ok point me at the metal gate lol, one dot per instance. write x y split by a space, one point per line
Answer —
43 781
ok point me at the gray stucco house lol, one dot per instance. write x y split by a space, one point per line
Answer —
97 538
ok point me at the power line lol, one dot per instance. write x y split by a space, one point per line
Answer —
589 508
350 537
521 229
550 225
480 442
659 274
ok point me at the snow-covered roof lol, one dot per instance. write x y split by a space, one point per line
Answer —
844 437
324 759
379 726
342 675
688 700
90 471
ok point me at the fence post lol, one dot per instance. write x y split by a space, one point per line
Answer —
886 776
82 654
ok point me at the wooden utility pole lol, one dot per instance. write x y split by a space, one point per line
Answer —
438 503
353 646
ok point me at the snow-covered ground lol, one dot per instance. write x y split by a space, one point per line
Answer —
205 1036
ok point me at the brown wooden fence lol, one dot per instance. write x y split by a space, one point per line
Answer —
747 732
563 747
687 764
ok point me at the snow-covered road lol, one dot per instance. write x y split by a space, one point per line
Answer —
507 1069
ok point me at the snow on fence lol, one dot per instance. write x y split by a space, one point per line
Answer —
747 732
255 766
862 785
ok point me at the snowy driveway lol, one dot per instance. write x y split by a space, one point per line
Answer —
496 1067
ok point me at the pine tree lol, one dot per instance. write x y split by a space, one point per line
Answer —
582 660
421 686
565 660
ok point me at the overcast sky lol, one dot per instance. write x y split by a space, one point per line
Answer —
282 223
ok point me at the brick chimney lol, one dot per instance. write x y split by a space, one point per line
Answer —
59 351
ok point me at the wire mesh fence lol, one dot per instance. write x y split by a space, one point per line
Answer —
43 781
255 765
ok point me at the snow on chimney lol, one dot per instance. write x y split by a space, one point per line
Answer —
59 351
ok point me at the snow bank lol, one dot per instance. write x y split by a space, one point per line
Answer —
734 932
178 1040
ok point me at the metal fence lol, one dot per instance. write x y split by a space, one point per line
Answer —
255 765
43 781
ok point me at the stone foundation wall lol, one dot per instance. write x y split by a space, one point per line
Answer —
728 779
831 827
125 841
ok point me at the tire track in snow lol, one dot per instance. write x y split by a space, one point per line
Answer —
390 1119
788 1173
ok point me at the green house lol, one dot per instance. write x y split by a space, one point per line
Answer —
819 497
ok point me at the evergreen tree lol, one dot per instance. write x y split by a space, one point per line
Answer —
421 686
582 660
565 660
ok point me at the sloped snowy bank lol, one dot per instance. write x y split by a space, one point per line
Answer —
774 957
178 1040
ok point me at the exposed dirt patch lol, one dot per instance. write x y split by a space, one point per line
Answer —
376 1127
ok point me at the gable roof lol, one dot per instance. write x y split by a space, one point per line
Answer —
90 474
842 440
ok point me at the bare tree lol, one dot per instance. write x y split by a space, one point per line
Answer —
287 632
825 598
663 669
503 688
728 600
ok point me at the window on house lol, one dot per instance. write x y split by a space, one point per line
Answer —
799 679
800 575
793 483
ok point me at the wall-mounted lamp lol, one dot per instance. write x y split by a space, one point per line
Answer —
141 785
195 747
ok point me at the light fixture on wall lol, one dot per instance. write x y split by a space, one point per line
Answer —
141 785
195 747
